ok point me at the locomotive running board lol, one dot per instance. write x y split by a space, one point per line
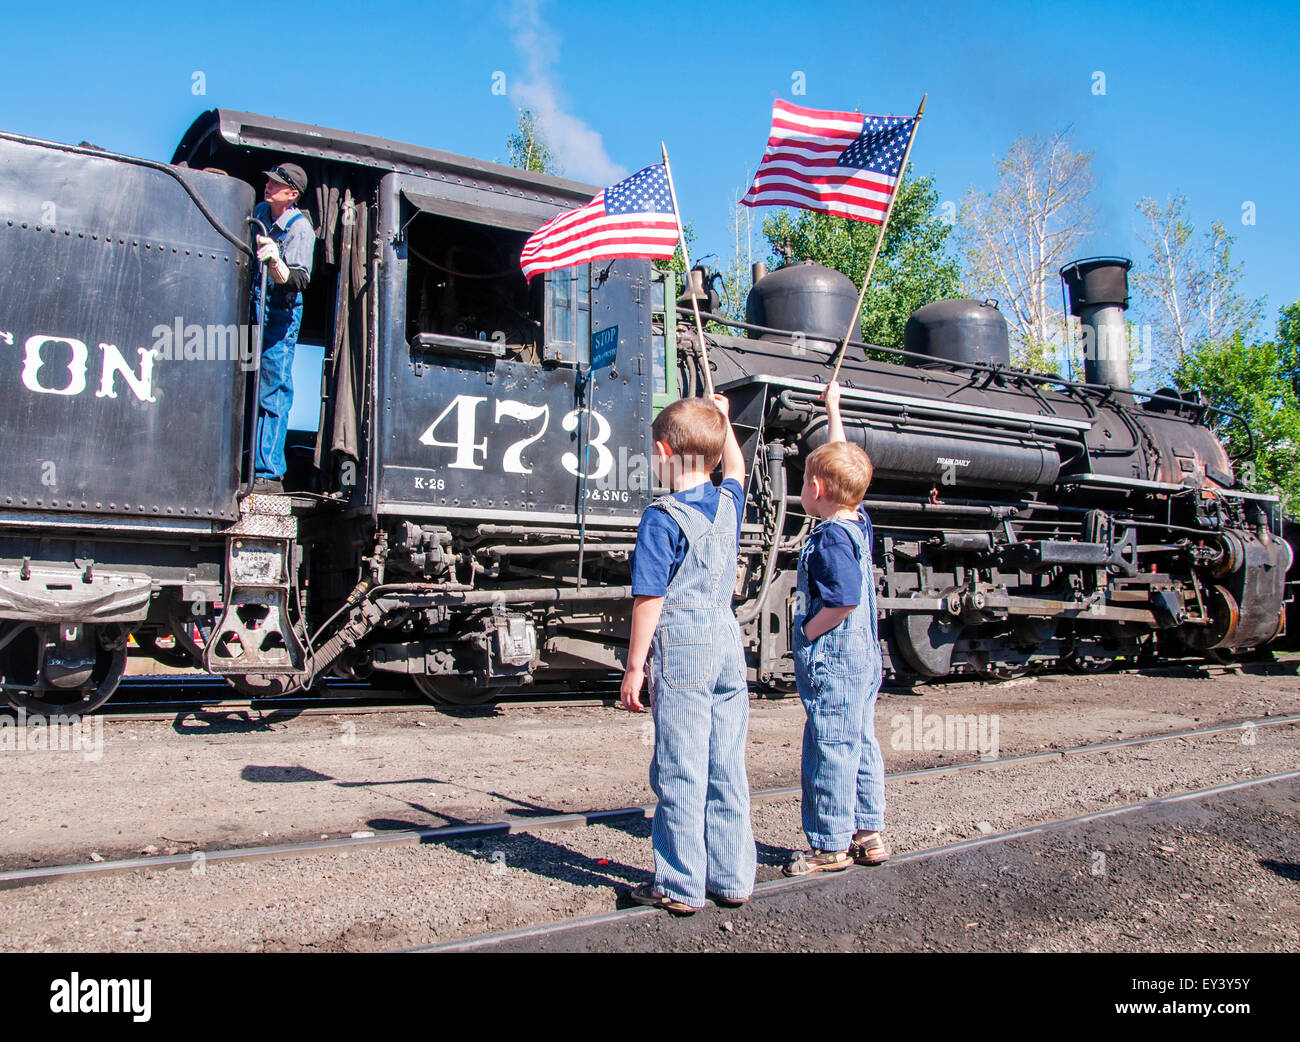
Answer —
255 634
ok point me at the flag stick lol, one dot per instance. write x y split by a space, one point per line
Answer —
690 285
871 265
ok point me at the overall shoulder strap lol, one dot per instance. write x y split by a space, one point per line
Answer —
720 519
856 536
692 523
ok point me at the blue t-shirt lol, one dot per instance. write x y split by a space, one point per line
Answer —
660 543
834 571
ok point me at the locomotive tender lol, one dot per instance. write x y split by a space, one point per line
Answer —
466 511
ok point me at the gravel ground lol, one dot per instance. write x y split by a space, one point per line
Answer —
1218 874
242 779
368 900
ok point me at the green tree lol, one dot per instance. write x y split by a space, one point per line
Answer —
1259 381
914 266
526 148
1188 293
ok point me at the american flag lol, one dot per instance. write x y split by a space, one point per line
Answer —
843 163
634 218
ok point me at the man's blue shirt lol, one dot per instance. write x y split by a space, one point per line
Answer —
660 543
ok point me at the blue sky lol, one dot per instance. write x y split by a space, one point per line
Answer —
1199 98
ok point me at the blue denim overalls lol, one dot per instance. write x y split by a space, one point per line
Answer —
843 772
275 388
701 833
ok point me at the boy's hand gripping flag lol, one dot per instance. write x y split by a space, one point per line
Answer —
634 218
843 163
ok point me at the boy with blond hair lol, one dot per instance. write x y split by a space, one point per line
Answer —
837 662
683 575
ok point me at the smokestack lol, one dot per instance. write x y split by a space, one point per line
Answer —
757 271
1098 289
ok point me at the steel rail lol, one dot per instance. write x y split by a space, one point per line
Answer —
776 887
576 819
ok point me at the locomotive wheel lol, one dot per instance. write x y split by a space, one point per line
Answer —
1000 671
19 662
453 691
1087 665
1223 656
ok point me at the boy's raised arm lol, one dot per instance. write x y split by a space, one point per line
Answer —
834 425
733 460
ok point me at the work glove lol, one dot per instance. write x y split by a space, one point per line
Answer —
269 254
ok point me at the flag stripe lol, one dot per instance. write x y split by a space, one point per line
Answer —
835 209
837 184
629 227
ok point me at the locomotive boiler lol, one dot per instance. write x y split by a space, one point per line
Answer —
1019 520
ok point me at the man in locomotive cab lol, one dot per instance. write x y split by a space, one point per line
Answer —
286 252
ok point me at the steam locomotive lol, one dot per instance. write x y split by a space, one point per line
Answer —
464 513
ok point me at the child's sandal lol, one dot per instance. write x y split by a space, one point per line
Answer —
645 894
871 851
818 861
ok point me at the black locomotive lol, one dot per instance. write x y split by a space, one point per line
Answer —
465 512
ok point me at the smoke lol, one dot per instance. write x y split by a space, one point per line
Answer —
579 149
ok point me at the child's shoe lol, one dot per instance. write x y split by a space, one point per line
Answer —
871 849
645 894
818 861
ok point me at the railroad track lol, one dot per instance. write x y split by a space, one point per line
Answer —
483 830
775 887
204 694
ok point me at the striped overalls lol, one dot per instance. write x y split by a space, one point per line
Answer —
838 674
701 833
